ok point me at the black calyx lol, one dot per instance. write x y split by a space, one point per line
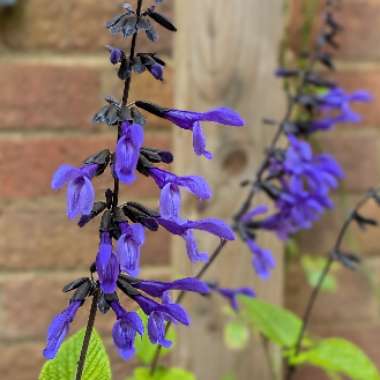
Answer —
316 80
110 114
161 20
125 23
138 213
144 165
156 156
349 260
75 284
363 221
82 291
105 301
152 108
127 288
113 114
102 159
98 208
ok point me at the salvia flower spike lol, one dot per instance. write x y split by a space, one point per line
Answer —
122 225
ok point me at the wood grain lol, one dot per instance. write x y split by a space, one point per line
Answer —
226 53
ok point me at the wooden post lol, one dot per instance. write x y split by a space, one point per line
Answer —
226 54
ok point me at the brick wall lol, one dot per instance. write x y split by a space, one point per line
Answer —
54 74
354 311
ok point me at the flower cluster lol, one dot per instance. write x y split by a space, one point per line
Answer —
122 226
297 179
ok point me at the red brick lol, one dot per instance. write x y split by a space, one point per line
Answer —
37 235
357 151
352 302
69 25
359 40
27 164
21 361
48 96
310 373
363 242
29 302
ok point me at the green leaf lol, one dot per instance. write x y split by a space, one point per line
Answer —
145 350
162 374
64 366
275 323
236 335
340 356
313 267
229 377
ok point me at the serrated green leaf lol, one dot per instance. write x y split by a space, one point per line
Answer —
162 374
64 366
278 325
145 350
340 356
236 335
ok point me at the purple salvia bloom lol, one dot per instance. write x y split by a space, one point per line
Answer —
59 328
262 261
259 210
321 172
159 314
232 294
116 55
128 152
184 228
124 332
156 330
169 184
338 99
157 71
129 247
80 191
158 288
107 264
298 209
192 121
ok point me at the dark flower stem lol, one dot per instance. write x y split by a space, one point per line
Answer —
124 102
115 202
291 369
87 336
246 205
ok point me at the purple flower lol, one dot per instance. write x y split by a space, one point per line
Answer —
80 191
158 288
262 261
338 100
59 328
128 152
107 264
159 314
126 328
129 246
258 210
157 71
321 172
184 228
298 209
116 55
169 184
192 121
232 294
